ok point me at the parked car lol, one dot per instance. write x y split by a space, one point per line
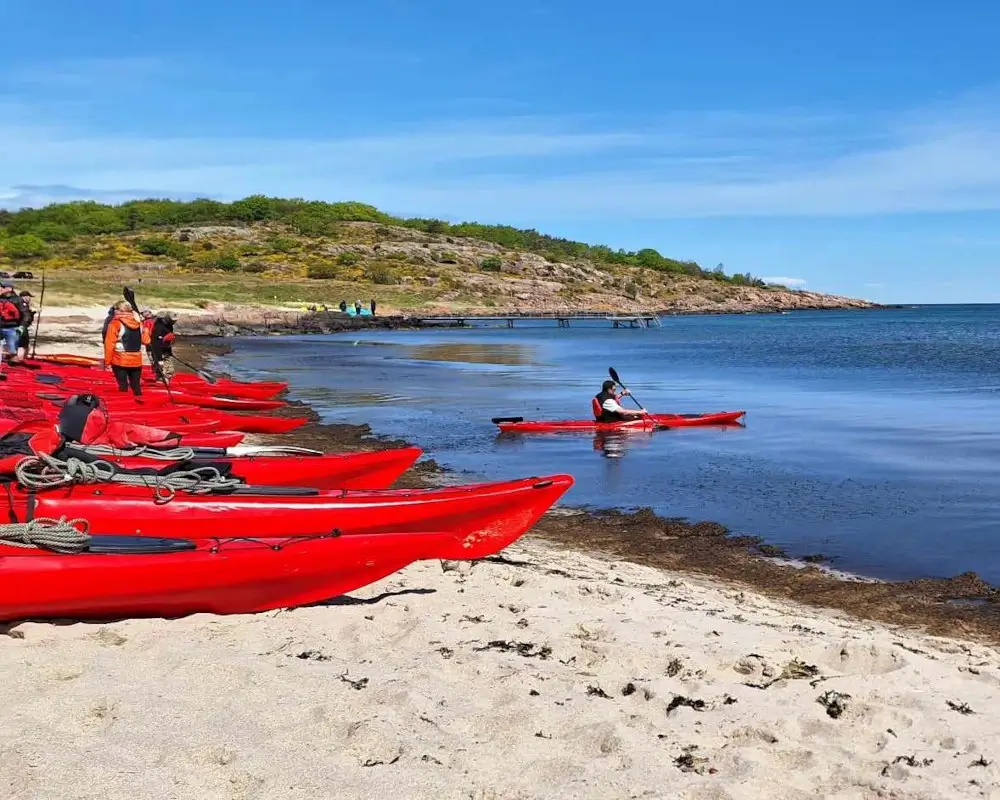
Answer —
24 275
4 274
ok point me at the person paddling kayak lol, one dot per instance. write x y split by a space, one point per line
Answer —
608 409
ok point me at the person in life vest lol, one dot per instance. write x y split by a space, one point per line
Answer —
107 321
608 409
12 318
24 339
123 345
161 347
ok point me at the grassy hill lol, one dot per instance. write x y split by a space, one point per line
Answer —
275 252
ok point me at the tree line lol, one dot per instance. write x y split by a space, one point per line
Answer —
27 233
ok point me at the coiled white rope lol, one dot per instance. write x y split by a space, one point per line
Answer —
59 535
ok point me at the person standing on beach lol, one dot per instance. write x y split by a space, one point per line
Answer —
123 343
24 337
12 314
373 306
161 347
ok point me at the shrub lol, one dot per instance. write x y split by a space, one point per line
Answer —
381 274
348 259
25 246
254 268
53 232
227 262
224 261
446 257
491 264
283 244
160 246
321 271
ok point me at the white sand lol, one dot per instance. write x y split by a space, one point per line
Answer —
264 706
393 699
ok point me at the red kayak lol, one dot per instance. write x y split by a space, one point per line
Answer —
85 367
377 469
499 511
119 576
649 422
173 417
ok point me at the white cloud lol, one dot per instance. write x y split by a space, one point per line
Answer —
781 280
682 165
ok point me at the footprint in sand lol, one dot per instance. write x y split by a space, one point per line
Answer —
859 659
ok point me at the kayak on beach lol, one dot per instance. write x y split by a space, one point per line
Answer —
495 511
377 469
647 422
88 369
127 575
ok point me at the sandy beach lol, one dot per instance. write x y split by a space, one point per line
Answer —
546 672
549 675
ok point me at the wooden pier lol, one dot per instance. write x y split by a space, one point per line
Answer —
640 319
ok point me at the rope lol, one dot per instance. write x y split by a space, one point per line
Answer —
47 472
172 454
60 535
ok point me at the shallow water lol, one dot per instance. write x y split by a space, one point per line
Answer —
871 437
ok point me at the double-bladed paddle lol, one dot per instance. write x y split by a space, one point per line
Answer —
614 376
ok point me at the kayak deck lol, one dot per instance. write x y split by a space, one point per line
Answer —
649 422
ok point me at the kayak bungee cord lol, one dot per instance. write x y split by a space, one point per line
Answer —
47 472
171 454
60 535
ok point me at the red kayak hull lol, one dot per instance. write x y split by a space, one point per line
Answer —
650 422
219 577
480 514
85 367
377 469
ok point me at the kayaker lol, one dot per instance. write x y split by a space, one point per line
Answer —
123 345
24 332
12 314
611 409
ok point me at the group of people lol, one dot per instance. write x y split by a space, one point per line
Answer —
126 334
16 316
358 309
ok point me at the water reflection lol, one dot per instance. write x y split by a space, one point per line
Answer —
617 443
473 353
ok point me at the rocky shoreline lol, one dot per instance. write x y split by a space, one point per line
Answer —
254 321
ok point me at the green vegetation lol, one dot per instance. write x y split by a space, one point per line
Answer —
61 222
491 264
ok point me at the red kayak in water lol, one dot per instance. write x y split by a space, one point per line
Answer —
124 575
648 422
499 511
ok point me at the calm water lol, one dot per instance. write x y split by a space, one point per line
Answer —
871 437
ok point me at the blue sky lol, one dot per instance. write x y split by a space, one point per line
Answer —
851 147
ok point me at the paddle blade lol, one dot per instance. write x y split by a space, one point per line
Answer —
129 295
614 376
498 420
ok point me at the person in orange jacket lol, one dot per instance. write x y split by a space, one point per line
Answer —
123 343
